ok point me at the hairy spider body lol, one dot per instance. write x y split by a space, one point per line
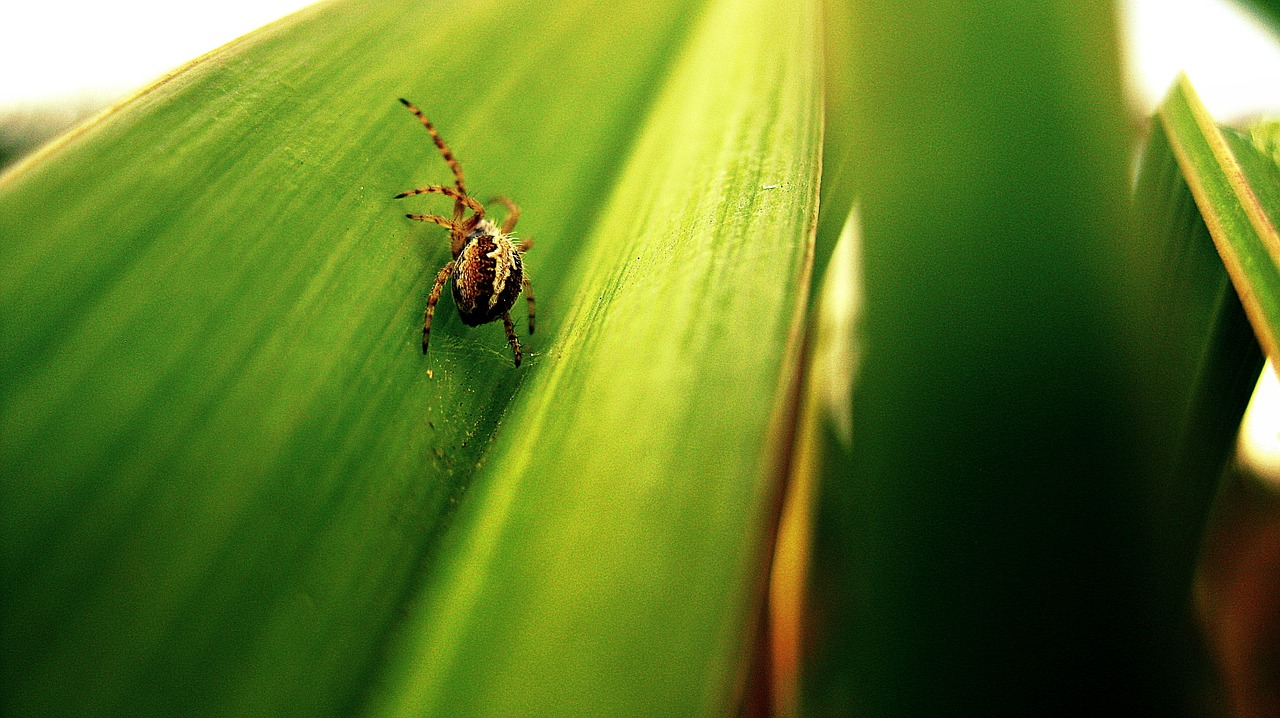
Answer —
487 275
487 269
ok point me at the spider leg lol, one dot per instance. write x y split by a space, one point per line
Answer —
526 245
511 335
470 202
441 278
457 227
445 152
513 212
528 295
442 221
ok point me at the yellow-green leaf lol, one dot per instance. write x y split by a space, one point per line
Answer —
610 557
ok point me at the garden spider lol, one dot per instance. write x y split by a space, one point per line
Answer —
487 269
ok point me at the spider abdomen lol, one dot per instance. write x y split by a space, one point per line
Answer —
487 277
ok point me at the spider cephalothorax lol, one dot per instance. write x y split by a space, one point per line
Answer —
487 270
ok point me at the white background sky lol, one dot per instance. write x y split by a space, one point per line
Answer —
68 50
76 50
1233 62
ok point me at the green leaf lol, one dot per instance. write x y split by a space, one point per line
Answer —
1203 361
1265 136
233 466
610 557
980 546
1267 9
1237 190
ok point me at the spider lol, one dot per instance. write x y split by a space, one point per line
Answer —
487 269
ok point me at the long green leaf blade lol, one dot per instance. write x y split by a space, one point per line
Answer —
609 559
225 459
1235 188
1203 363
978 544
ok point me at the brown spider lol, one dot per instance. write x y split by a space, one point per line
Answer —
486 268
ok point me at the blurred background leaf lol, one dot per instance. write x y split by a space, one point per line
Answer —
824 426
1204 343
985 544
1267 9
